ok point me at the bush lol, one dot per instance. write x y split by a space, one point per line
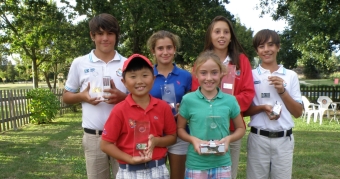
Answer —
43 106
334 75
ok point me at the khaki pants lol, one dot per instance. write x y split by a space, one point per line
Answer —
97 162
235 148
269 157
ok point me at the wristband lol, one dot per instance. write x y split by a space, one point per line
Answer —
284 90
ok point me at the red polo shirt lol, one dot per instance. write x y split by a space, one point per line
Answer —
119 128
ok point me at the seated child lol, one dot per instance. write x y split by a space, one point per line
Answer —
119 139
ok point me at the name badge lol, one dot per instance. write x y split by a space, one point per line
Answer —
265 95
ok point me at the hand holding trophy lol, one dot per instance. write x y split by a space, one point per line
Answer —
213 134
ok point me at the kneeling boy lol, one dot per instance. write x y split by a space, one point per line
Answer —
119 131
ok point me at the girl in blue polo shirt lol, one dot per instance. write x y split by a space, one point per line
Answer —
163 45
196 108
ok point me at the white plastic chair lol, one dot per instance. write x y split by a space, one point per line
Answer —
309 109
325 105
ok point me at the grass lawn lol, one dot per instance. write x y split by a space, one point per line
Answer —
311 82
54 150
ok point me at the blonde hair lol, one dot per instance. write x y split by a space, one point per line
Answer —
204 57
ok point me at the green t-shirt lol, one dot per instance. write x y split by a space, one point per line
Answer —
198 112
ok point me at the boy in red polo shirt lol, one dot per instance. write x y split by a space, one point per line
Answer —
118 138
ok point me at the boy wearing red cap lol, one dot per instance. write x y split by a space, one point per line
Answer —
119 131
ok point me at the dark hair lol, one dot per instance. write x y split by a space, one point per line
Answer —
263 36
161 35
105 22
137 64
234 47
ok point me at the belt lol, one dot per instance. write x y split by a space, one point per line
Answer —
91 131
142 166
269 134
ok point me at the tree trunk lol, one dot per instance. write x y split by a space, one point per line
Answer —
47 80
35 73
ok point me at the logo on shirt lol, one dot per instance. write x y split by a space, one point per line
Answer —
178 82
155 118
238 72
257 82
87 70
132 123
119 72
104 132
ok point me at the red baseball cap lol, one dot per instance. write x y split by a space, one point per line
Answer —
127 62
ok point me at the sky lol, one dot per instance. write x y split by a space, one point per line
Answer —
249 16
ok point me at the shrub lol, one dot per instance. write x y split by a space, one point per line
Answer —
43 105
334 75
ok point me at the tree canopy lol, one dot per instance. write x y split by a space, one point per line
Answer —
314 29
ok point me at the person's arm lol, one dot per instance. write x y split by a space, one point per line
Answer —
293 106
247 91
252 110
239 132
84 96
182 133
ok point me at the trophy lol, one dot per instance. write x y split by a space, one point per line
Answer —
228 80
169 95
98 82
213 133
141 136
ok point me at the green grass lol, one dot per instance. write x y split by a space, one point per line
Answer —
54 150
51 151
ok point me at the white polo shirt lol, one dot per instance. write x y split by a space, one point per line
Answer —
94 116
267 94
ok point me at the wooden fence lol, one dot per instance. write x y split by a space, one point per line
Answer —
14 108
313 92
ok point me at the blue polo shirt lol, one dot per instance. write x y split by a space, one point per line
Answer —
179 77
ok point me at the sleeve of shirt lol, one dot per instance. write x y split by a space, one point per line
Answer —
247 93
73 80
235 109
170 126
183 108
294 90
112 127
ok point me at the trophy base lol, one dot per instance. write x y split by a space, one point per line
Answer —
212 148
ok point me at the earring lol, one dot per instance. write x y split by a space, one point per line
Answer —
175 53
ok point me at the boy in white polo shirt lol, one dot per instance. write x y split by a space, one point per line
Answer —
270 141
102 61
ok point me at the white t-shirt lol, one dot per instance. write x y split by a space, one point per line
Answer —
267 94
94 116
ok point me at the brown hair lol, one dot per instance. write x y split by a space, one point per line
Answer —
234 47
151 44
105 22
263 36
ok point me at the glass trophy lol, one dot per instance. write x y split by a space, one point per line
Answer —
228 80
141 136
169 95
98 82
213 132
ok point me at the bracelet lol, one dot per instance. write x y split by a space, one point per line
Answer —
284 90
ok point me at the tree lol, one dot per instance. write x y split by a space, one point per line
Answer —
315 25
10 72
185 18
31 29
